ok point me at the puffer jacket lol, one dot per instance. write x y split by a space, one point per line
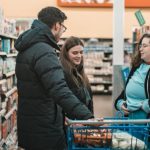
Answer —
42 92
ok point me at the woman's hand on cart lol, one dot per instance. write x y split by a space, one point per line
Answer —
124 109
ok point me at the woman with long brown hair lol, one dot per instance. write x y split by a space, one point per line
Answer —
71 57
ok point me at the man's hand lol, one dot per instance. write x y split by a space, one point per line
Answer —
95 122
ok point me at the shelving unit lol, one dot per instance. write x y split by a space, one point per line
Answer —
98 64
100 72
137 34
8 93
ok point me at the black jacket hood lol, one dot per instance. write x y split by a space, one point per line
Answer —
39 32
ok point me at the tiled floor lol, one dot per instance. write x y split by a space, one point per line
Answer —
103 106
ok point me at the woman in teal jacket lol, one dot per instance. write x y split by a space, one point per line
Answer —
134 100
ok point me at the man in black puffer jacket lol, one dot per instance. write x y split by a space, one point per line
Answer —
42 90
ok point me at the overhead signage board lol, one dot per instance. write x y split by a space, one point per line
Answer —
103 3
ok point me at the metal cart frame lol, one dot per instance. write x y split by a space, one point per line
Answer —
133 127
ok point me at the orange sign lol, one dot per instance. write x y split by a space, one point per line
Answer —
103 3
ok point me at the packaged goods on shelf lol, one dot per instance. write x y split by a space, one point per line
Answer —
139 31
110 88
10 83
97 88
10 64
4 129
7 82
98 65
1 68
6 45
9 27
8 91
100 88
3 86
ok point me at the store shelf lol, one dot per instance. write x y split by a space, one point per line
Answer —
103 82
12 55
3 54
103 74
9 74
93 66
2 112
8 36
98 66
107 59
3 141
8 99
2 81
8 55
10 112
7 94
100 74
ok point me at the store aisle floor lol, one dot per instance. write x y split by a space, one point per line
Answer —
103 105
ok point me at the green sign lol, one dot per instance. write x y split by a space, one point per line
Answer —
140 18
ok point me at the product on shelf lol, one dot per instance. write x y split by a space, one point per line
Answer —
6 45
98 65
138 32
4 129
8 93
3 87
1 68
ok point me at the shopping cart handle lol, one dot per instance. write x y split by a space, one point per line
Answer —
115 121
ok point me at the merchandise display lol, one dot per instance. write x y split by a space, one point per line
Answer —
8 90
138 32
98 67
98 64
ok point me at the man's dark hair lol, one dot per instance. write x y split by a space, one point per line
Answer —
51 15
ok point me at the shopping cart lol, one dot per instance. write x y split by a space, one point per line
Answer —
109 134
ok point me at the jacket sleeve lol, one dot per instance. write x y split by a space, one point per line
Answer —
145 106
91 107
50 73
119 101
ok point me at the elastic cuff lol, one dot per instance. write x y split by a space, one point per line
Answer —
120 103
145 106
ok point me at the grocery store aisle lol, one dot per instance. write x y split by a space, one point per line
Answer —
103 105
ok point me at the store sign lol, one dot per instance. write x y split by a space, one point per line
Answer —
140 17
103 3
